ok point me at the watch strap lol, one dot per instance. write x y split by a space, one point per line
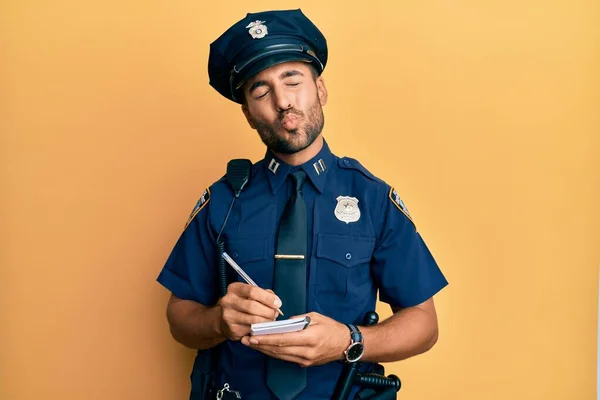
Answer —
355 334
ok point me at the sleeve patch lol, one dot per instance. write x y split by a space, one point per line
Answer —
204 199
395 198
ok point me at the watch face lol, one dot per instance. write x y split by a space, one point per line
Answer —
355 352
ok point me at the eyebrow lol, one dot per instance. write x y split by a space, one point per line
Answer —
256 85
291 72
285 74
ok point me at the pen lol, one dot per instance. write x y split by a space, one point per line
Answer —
242 273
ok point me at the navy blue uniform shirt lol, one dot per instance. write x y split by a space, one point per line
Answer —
360 239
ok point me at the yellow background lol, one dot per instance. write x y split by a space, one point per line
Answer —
483 114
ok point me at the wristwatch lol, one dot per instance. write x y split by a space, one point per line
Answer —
356 349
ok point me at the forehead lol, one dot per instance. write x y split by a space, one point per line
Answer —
277 70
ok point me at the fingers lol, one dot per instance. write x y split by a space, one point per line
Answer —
242 298
299 352
236 317
311 346
244 305
266 297
302 355
314 318
278 343
236 324
253 307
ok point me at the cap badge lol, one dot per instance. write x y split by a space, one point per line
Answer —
257 29
347 209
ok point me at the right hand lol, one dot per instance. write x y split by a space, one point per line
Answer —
244 305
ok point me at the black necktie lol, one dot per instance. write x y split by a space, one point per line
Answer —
285 379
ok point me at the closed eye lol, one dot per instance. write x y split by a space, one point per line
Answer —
263 95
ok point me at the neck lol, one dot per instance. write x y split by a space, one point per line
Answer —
302 156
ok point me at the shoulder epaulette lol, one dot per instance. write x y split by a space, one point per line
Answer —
256 166
351 163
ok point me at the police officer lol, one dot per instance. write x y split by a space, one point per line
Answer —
348 234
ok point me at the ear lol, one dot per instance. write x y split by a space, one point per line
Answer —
248 116
321 90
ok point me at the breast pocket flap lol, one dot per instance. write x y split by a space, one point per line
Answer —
246 250
345 249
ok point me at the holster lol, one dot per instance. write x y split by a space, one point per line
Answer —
203 374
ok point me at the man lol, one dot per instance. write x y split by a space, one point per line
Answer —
320 235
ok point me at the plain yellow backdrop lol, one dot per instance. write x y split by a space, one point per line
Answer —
483 114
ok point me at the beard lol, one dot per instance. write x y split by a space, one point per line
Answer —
296 139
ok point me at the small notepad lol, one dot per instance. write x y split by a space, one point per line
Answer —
283 326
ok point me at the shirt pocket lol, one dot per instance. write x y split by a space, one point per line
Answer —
250 254
343 270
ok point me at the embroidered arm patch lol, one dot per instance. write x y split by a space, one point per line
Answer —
202 202
395 198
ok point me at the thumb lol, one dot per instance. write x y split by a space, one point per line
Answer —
310 319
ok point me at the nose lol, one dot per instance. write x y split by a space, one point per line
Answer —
282 100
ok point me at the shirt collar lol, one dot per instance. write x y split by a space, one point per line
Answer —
316 168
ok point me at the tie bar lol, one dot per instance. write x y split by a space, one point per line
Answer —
289 257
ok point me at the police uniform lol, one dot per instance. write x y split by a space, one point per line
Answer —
361 238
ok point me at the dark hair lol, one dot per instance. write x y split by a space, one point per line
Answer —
313 71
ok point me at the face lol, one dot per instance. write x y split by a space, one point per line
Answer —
284 104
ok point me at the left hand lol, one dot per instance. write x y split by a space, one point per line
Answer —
322 341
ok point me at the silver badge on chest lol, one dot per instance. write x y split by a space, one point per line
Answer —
347 209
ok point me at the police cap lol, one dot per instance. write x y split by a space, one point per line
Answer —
258 42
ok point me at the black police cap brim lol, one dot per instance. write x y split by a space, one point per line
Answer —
268 61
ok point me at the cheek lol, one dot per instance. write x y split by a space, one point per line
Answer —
308 98
261 113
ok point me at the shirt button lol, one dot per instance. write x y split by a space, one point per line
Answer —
346 162
348 256
235 254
